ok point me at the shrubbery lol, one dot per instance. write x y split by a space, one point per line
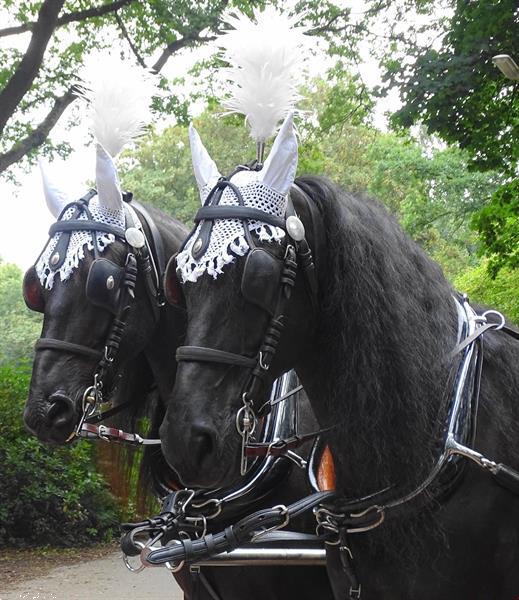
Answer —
48 495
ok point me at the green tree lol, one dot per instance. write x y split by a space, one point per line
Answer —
20 326
501 292
37 84
498 227
48 495
454 88
430 190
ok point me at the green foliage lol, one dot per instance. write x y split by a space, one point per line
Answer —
500 292
48 495
498 227
149 33
429 189
455 89
163 173
20 326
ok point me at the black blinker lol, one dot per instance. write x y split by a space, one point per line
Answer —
104 283
260 280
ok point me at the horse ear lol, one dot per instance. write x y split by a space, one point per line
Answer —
279 170
206 171
56 199
107 180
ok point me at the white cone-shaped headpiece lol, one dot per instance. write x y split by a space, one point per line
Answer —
206 171
56 199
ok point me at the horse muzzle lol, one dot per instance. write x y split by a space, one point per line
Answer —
53 419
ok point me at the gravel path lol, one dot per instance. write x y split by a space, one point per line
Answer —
103 578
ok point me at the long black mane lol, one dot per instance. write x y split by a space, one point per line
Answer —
397 320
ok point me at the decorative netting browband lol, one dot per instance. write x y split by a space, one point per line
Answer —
51 262
228 240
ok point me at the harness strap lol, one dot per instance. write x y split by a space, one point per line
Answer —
280 447
84 225
53 344
238 212
235 535
198 353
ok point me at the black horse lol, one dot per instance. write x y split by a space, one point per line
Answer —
141 376
371 342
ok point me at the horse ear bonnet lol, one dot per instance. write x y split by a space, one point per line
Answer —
260 280
33 291
104 283
172 288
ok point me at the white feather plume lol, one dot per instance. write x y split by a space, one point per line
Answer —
265 57
119 95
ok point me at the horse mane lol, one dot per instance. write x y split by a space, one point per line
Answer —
386 373
385 381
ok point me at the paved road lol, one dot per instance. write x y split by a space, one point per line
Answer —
100 579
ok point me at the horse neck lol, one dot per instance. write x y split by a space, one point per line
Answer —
378 372
161 348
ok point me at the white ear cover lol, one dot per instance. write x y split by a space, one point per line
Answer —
206 171
56 199
280 168
107 180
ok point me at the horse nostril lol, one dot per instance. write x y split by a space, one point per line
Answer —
203 441
61 412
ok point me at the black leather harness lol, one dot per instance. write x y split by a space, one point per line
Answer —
108 286
267 281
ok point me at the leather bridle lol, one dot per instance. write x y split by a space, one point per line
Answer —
297 254
117 297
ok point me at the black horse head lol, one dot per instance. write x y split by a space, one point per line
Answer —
96 286
234 274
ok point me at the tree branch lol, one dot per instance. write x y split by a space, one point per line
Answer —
177 45
27 70
79 15
126 35
40 133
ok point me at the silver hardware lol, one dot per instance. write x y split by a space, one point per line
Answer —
197 246
135 237
299 461
245 425
501 318
252 556
54 259
295 228
260 152
286 520
127 563
110 282
264 365
382 515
